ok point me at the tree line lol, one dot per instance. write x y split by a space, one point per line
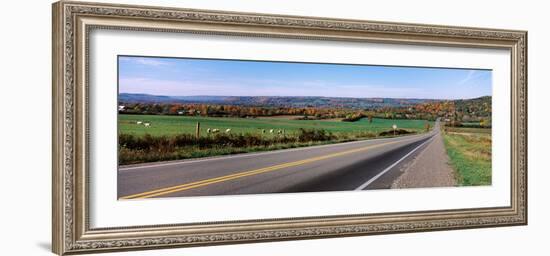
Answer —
477 110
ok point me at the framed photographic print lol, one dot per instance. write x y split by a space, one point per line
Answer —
179 127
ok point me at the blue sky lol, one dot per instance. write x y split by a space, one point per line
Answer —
190 77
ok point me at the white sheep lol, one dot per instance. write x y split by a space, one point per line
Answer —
139 122
147 124
227 130
263 130
215 130
279 132
271 131
208 130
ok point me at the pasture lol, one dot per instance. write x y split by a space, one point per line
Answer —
161 125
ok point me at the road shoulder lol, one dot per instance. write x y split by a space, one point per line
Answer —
430 168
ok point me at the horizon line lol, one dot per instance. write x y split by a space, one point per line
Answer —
312 96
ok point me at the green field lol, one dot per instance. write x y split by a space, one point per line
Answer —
173 137
174 125
469 150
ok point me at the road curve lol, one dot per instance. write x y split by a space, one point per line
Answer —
354 165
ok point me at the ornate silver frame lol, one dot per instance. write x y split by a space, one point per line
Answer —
72 22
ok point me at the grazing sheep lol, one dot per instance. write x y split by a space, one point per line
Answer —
227 130
279 132
215 130
271 131
208 130
147 124
139 122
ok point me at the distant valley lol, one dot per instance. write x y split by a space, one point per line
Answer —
275 101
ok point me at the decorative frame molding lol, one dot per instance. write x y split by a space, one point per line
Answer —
72 22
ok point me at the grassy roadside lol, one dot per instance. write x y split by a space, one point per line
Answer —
128 156
470 155
142 149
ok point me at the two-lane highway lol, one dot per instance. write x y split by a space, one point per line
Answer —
336 167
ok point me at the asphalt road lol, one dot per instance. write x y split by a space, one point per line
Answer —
358 165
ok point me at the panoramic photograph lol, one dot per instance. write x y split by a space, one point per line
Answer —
210 127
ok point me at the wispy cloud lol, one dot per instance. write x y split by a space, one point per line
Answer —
260 88
145 61
169 87
471 76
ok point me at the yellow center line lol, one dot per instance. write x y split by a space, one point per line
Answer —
201 183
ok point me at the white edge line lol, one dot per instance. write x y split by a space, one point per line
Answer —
391 166
257 154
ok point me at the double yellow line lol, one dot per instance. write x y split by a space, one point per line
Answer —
201 183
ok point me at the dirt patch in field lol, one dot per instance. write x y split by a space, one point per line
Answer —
286 117
332 119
